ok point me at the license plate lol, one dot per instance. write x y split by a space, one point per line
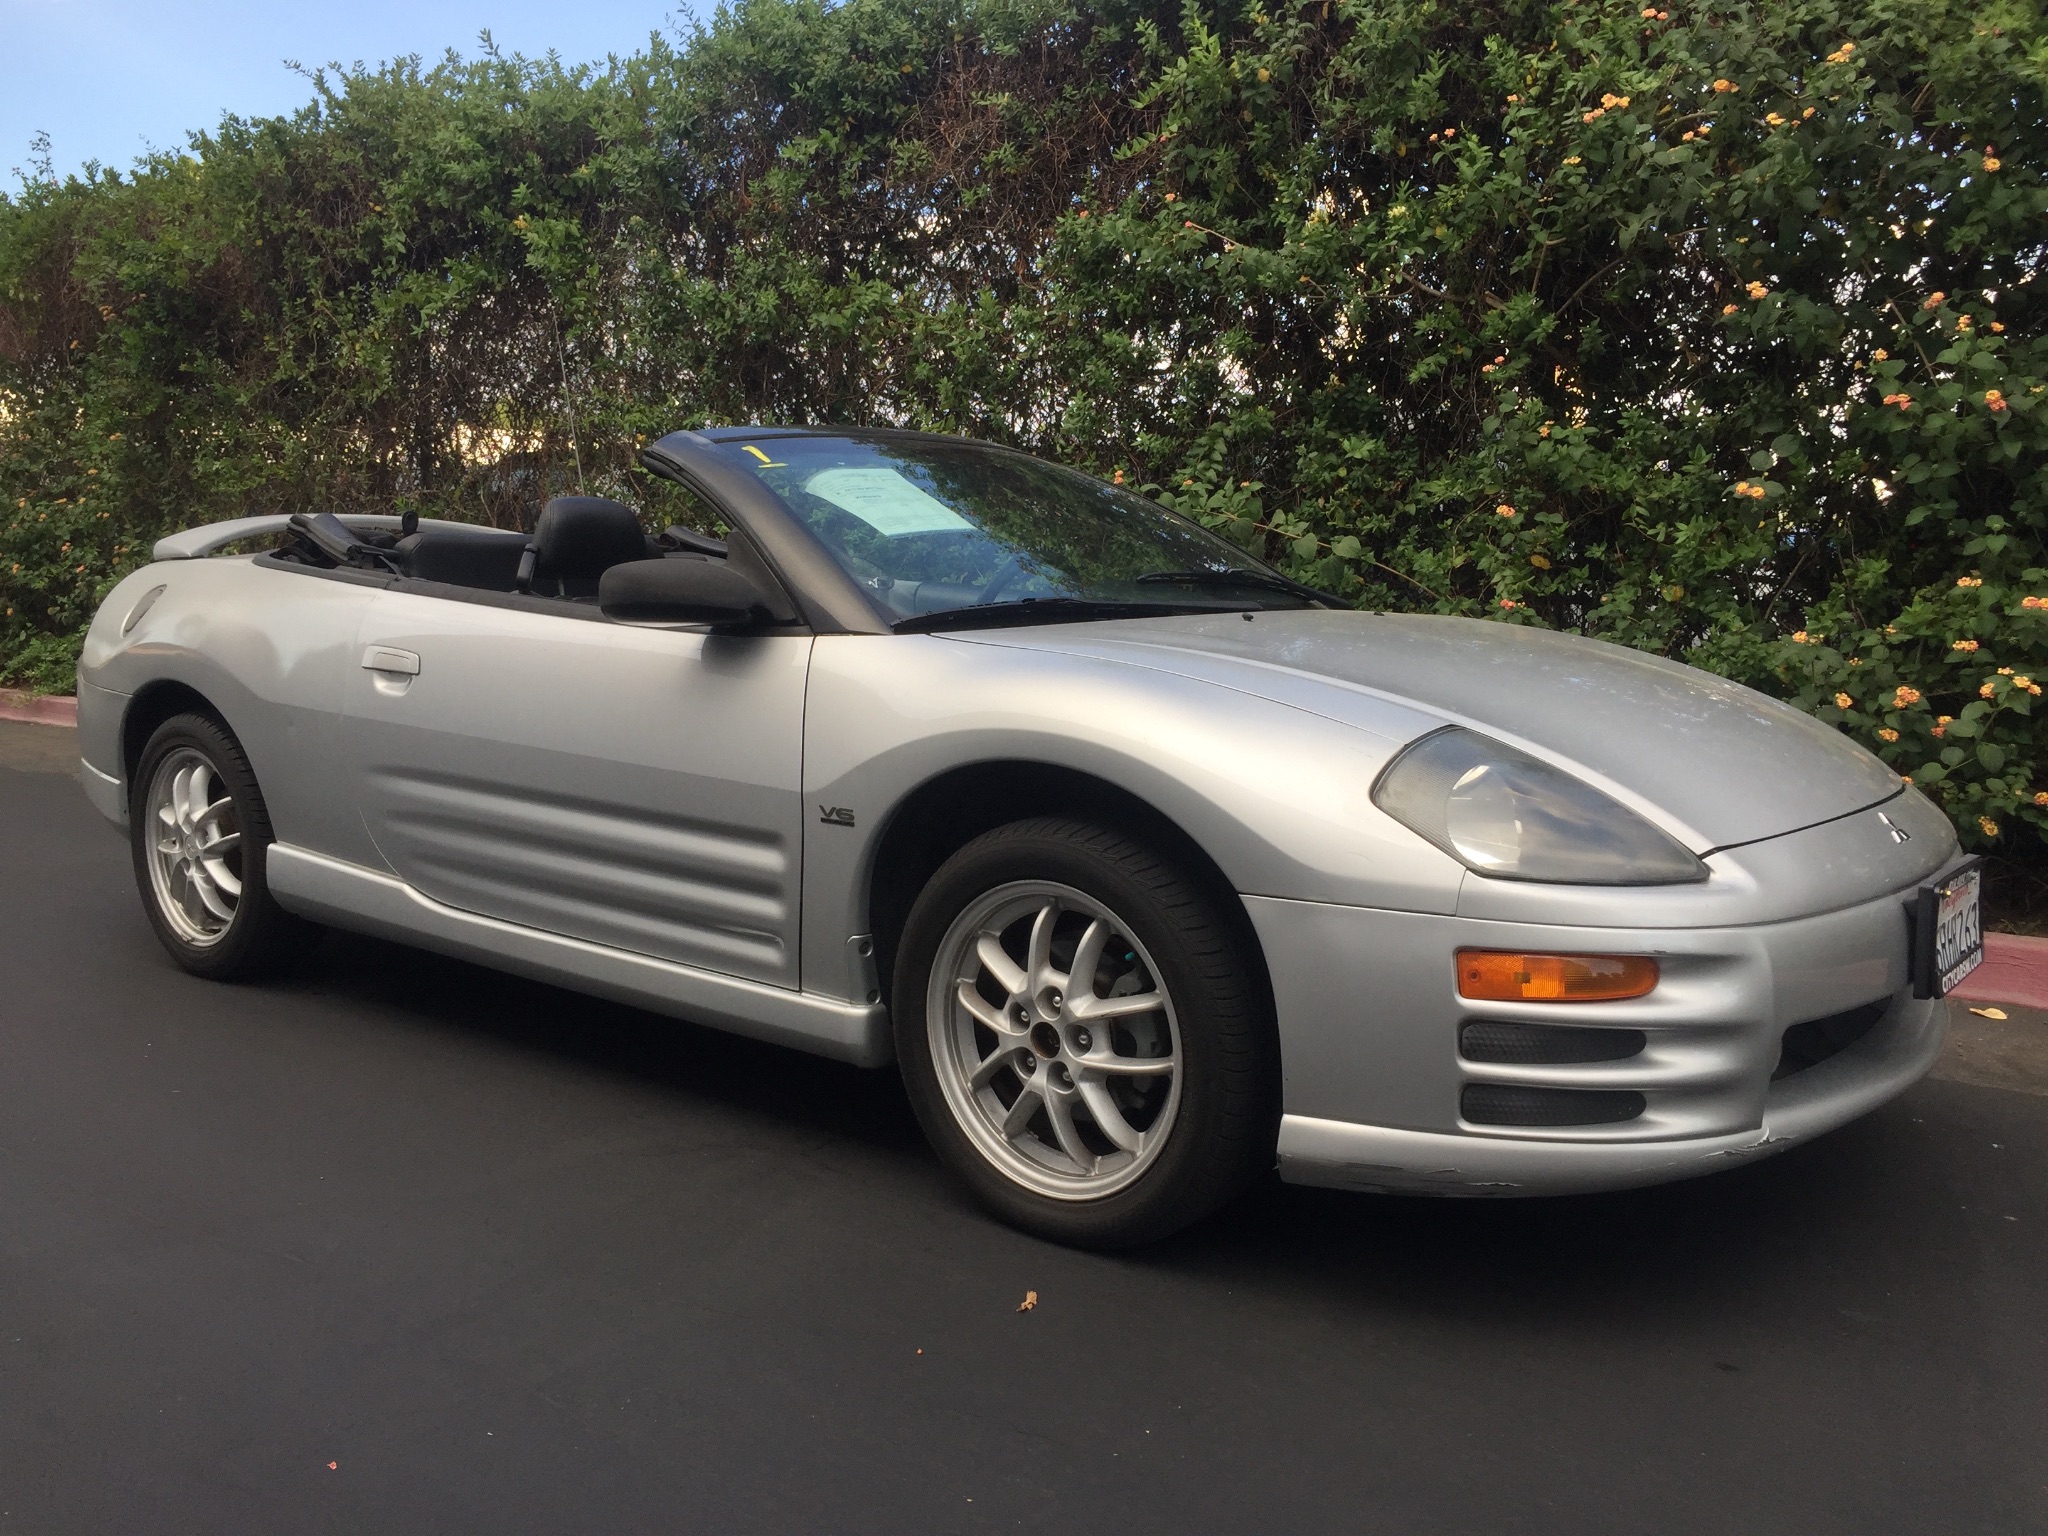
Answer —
1949 931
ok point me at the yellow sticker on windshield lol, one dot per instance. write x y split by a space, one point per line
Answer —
766 462
885 501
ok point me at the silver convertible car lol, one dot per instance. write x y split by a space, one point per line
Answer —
1147 866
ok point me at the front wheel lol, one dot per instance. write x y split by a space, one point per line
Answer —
1082 1035
200 834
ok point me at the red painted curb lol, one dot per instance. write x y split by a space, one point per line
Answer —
2015 970
38 709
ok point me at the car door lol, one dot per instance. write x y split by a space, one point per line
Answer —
636 788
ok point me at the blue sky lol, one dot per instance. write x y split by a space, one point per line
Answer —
110 79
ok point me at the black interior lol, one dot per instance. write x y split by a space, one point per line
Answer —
574 543
578 539
463 556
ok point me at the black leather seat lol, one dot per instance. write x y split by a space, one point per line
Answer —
578 539
487 558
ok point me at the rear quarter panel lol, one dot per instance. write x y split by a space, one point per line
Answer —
269 650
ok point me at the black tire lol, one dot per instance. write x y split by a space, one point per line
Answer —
260 936
1223 1131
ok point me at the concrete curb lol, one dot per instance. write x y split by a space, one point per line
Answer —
38 709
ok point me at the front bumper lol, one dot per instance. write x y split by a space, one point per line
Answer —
1376 1084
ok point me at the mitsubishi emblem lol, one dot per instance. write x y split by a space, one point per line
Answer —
1899 833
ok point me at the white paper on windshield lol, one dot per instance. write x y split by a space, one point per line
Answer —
885 501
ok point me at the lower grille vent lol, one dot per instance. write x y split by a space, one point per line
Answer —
1502 1104
1813 1042
1546 1044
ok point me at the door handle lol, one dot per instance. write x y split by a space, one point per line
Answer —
389 658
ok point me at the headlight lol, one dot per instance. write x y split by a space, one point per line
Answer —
1502 813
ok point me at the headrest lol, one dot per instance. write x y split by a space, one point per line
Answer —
585 536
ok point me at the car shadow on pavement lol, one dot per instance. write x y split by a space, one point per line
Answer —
1656 1251
648 1049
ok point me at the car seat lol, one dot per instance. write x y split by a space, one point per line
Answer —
576 540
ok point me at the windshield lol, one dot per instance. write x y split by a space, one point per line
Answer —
946 534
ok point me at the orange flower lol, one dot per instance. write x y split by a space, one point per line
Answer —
1774 119
1594 116
1997 325
1987 690
1504 510
1613 102
1887 734
2041 798
1903 402
1905 696
1934 300
1994 399
1843 701
1841 54
1963 645
1992 162
1879 355
1729 309
2034 602
1969 581
1509 602
1988 826
1723 87
1757 290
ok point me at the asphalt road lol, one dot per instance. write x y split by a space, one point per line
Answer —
401 1245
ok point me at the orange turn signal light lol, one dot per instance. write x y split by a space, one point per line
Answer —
1504 976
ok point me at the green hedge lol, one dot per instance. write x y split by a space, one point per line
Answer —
1712 332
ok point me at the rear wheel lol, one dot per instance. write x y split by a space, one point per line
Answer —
200 834
1084 1040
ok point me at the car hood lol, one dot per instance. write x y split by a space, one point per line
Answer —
1717 763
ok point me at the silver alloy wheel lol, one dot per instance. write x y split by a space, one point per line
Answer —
195 848
1055 1044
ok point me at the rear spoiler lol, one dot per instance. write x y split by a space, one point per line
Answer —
198 543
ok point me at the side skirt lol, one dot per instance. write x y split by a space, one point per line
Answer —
364 901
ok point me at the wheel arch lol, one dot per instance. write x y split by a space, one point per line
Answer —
152 705
946 812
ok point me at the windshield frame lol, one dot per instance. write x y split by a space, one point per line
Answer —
837 601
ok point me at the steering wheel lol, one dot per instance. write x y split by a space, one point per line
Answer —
1006 573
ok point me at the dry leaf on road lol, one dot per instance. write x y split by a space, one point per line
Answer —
1989 1013
1030 1300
